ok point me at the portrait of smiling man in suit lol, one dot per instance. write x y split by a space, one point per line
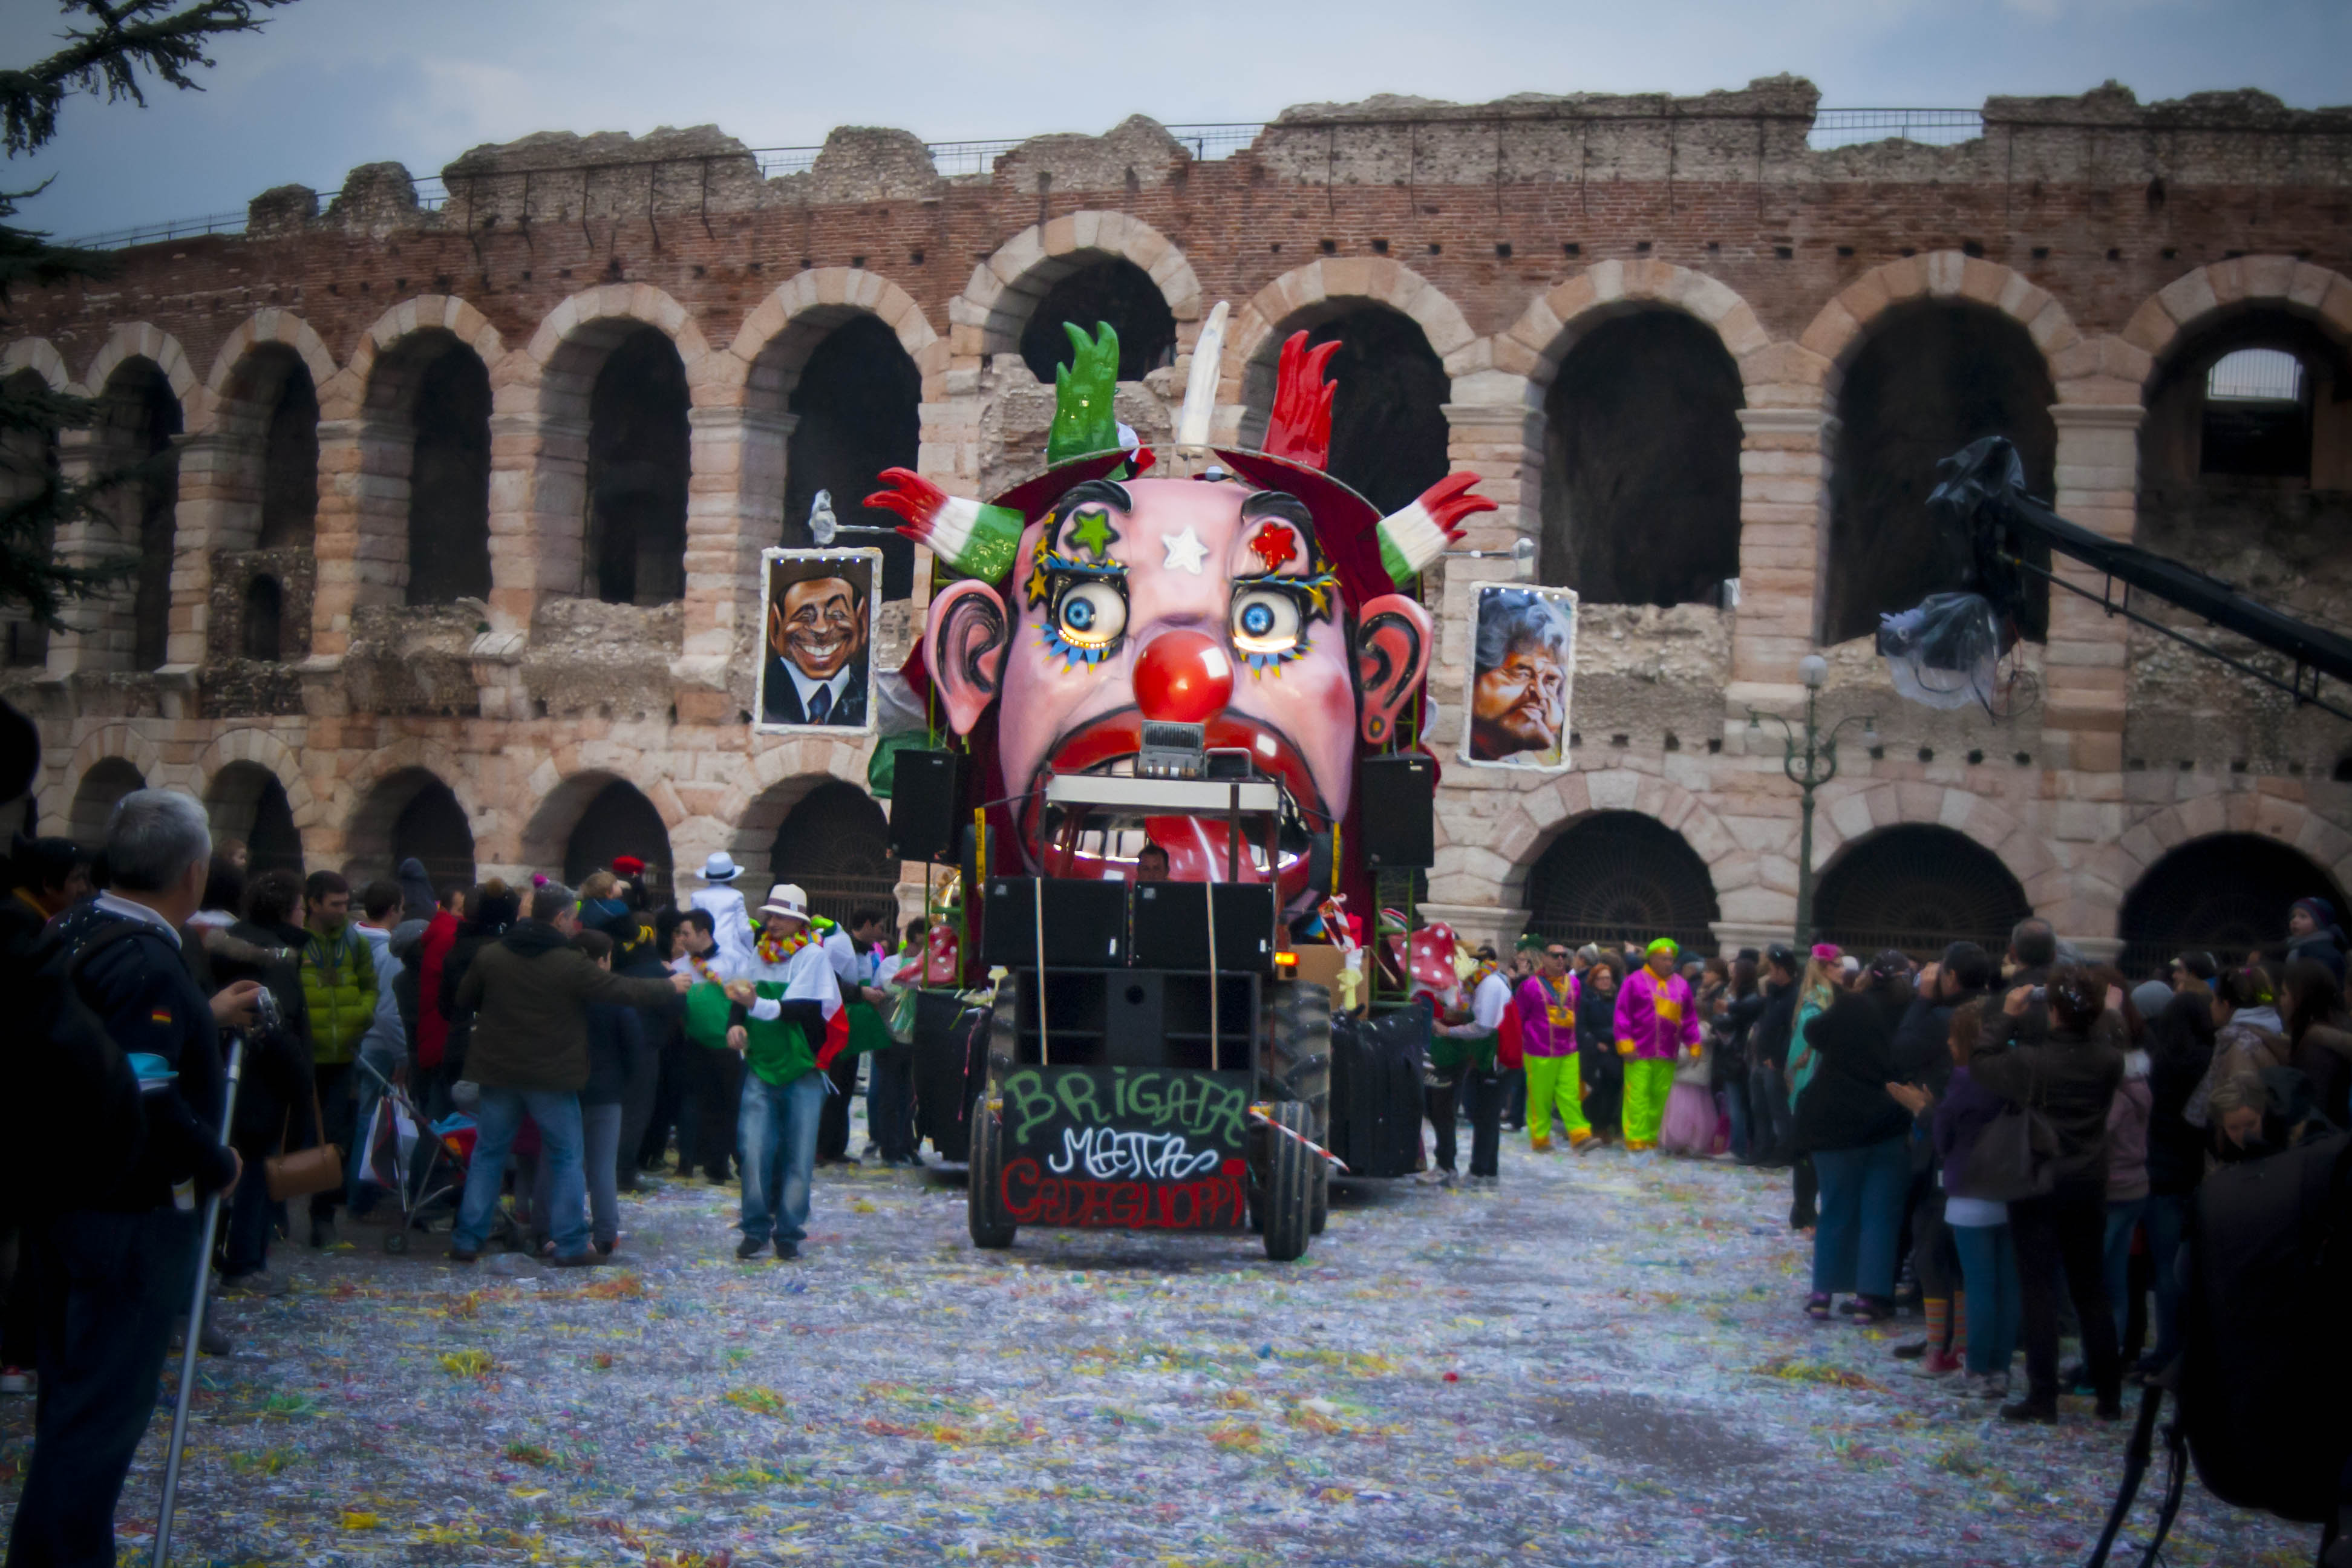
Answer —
818 632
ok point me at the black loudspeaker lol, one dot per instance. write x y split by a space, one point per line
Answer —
923 798
1085 923
1399 796
1171 926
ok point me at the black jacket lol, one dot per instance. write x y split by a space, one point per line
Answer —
2070 1078
1767 1043
615 1036
2179 1054
1923 1040
1846 1105
275 1098
472 937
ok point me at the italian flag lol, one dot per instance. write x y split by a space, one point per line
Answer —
815 983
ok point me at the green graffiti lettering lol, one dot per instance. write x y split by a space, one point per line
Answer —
1079 1098
1143 1099
1227 1115
1025 1095
1119 1092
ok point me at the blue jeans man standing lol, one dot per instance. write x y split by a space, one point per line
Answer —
497 1120
776 1130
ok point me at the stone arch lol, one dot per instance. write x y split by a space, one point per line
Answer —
781 777
1533 348
987 318
1916 887
2229 891
117 741
263 327
1838 332
254 746
1486 860
413 754
861 411
2288 821
2196 297
249 801
95 792
833 842
1620 876
39 356
139 340
608 504
1320 289
401 806
343 397
1848 816
551 840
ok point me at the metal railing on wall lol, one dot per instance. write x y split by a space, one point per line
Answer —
1206 141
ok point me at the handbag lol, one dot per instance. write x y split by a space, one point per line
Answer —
2016 1156
303 1172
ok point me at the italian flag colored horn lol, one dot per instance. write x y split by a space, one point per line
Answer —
972 538
1411 538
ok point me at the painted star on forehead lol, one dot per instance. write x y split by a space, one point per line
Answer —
1185 553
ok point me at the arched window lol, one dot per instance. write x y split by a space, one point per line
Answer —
1388 421
1112 290
265 636
137 418
1917 888
108 780
856 412
1641 496
449 479
246 801
1929 379
289 461
1620 876
2256 422
620 821
836 845
637 462
407 813
2229 893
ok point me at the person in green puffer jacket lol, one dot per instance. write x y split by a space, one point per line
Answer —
339 985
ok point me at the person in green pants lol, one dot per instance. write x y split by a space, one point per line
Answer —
1546 1002
1656 1023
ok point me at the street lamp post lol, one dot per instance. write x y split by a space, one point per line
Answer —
1810 760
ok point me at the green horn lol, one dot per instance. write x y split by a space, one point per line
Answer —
1082 420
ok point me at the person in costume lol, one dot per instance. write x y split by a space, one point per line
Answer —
789 1024
1601 1071
728 919
1546 1002
1658 1024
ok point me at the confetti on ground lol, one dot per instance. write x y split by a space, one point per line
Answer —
1604 1362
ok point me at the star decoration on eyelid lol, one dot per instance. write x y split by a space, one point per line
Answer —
1273 545
1092 532
1185 553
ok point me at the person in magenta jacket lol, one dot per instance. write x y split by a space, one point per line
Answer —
1546 1002
1656 1023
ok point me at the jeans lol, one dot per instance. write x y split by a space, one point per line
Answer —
890 1102
1862 1193
639 1102
777 1131
108 1285
600 1142
1735 1104
1988 1275
2165 1217
2123 1218
2064 1232
496 1119
1769 1114
1437 1104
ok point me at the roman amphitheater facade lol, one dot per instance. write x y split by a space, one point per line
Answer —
454 550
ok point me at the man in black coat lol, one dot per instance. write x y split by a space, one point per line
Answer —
114 1266
1770 1132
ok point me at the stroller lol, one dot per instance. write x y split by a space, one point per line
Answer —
406 1154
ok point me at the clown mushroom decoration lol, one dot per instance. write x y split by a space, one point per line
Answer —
1260 600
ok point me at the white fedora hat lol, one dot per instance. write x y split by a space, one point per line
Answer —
720 867
786 898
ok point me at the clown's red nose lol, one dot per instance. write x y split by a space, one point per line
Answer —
1183 677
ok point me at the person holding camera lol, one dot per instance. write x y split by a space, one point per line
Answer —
114 1255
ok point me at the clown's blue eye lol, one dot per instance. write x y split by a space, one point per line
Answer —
1264 622
1090 615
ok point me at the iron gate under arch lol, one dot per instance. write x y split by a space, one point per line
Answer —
1619 876
2227 894
1916 888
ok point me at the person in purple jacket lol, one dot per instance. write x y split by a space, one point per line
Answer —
1656 1023
1546 1002
1992 1308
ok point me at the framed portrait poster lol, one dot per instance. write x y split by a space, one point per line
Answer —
816 639
1522 664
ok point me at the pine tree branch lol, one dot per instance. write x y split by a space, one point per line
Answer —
128 37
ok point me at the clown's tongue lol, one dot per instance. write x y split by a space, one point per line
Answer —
1197 848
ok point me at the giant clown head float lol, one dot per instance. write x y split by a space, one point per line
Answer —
1259 600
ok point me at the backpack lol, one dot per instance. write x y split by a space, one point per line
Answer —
69 1098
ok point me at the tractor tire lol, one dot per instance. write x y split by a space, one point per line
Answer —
984 1196
1289 1199
1296 1067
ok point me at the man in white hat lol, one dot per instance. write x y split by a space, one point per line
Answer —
791 1027
730 925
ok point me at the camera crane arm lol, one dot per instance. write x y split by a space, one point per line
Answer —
1983 494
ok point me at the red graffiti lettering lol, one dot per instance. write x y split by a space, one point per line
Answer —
1212 1202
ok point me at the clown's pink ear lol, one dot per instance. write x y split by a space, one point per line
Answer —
1391 656
964 645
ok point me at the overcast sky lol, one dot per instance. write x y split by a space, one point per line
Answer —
333 83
